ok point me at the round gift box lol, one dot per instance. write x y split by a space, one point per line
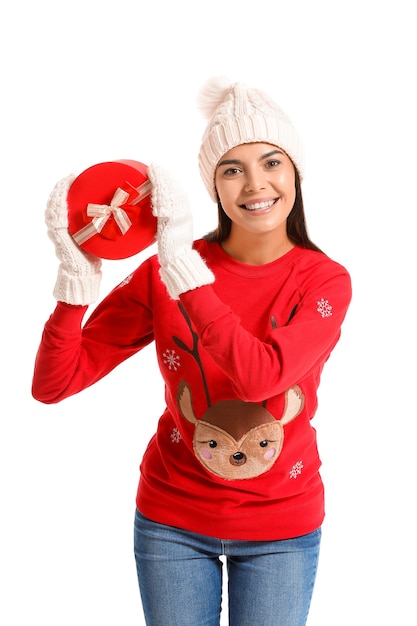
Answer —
105 221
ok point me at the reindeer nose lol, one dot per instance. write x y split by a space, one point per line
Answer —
238 458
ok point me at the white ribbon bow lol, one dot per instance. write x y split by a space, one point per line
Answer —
101 214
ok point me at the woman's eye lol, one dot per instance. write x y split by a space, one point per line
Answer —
231 171
274 163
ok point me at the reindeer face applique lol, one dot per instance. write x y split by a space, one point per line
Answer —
236 439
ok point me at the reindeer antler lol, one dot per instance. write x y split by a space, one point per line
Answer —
193 350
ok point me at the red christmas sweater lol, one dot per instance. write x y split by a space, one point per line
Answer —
234 455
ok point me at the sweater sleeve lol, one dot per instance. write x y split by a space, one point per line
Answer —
261 368
72 357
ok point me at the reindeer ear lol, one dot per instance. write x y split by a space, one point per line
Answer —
184 401
294 404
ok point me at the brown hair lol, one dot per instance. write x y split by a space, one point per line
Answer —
296 222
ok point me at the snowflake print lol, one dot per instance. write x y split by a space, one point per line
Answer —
296 469
171 360
175 435
324 308
126 280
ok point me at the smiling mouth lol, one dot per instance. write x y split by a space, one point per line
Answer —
257 206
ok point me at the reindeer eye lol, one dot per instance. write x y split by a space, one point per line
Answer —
263 443
212 443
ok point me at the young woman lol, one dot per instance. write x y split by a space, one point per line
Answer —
243 322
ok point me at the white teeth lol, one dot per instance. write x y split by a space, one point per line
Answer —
259 205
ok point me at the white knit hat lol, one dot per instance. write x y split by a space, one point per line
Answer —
239 114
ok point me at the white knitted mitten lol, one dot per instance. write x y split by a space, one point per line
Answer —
79 273
182 267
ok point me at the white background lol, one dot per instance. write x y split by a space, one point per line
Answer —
92 80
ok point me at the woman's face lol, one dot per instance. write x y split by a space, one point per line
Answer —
256 186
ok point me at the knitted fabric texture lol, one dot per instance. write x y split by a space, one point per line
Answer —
182 268
79 273
239 114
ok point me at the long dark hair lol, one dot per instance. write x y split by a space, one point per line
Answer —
296 222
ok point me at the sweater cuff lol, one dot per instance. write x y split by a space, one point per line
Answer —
204 307
67 317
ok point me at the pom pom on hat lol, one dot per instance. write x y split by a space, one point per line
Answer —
212 94
239 114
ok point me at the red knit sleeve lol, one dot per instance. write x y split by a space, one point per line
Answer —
260 368
71 357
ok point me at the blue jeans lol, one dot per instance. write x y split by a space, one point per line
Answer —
270 583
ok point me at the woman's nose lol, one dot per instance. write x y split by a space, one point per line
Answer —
254 182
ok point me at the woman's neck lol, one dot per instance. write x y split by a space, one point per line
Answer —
256 249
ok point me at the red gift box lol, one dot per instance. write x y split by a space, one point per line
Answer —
110 211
